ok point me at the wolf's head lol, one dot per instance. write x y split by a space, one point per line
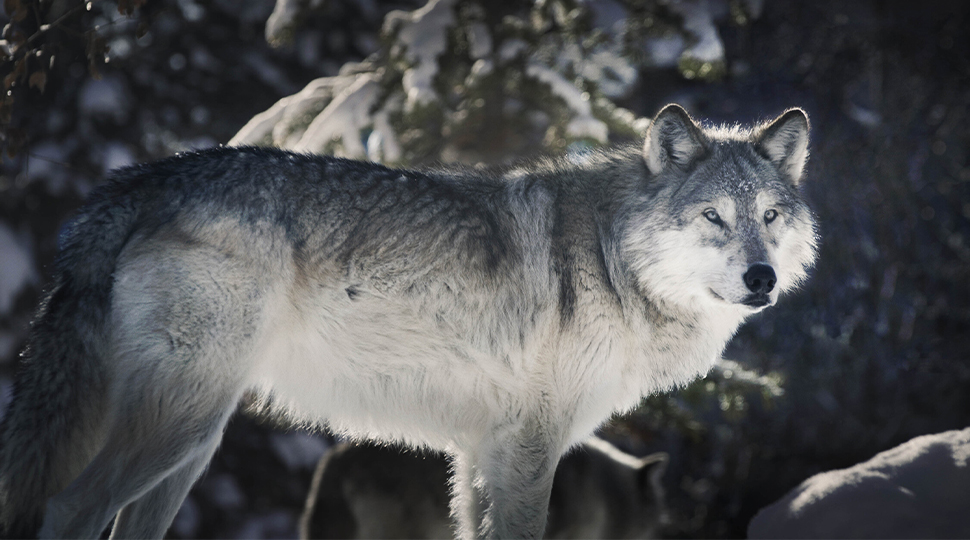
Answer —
720 221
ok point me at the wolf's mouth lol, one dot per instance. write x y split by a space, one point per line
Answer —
756 300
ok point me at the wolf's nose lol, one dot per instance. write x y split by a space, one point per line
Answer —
760 278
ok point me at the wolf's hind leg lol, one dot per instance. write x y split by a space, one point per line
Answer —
155 452
150 515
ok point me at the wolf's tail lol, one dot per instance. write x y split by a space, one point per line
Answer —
54 425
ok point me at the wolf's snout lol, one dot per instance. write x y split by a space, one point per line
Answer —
760 278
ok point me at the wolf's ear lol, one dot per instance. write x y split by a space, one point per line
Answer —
785 143
672 139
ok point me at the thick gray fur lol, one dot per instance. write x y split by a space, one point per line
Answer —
499 316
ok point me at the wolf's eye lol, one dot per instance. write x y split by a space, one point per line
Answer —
712 216
770 215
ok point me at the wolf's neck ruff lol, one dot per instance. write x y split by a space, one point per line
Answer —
500 317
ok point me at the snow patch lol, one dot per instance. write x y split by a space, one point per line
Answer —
257 131
424 36
343 120
382 144
699 18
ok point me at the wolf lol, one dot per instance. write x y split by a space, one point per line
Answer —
497 315
371 491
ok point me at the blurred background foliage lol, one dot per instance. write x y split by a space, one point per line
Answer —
873 351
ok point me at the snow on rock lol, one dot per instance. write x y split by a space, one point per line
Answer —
423 34
16 268
583 124
919 489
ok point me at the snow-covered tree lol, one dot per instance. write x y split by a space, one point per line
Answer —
470 81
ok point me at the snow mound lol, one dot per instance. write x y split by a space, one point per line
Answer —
919 489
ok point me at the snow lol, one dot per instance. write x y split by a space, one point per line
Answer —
424 36
613 74
583 124
915 490
699 18
343 120
382 144
16 268
260 127
329 113
281 21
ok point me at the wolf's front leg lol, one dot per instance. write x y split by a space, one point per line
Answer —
467 499
517 474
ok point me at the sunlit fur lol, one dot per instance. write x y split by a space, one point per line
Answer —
499 316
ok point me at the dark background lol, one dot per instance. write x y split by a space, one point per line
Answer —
873 351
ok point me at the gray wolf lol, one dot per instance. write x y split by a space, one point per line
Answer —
918 489
499 316
371 491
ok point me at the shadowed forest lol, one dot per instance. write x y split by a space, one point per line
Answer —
873 351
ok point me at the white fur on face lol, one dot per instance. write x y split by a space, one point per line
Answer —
701 264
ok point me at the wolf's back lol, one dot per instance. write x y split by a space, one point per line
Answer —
51 429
